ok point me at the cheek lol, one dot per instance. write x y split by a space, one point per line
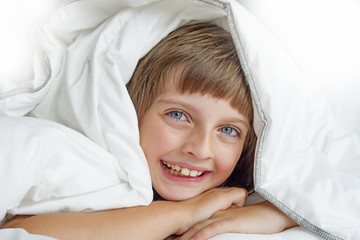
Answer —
226 161
156 140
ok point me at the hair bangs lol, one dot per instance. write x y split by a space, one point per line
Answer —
219 82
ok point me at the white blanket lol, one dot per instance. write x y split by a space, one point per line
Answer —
78 109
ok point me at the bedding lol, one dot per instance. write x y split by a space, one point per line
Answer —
19 24
307 160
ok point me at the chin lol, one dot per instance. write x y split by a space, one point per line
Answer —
178 195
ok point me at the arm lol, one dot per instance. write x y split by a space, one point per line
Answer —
156 221
261 218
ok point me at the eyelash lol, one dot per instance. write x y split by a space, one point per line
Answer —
237 135
171 114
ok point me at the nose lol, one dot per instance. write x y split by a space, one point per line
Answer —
199 144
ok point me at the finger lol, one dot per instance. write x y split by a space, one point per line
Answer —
172 237
194 229
239 196
243 194
221 199
212 229
207 229
206 204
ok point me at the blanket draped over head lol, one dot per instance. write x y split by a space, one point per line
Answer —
69 135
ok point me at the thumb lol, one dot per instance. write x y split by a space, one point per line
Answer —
241 201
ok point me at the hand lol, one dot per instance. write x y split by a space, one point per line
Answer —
203 206
124 223
262 218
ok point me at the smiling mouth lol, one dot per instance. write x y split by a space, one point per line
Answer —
176 170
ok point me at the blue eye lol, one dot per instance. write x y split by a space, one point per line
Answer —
229 131
177 115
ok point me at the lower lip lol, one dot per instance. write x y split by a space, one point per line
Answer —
183 179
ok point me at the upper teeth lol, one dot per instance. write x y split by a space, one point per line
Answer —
182 171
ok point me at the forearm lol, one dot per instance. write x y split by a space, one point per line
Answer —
156 221
260 218
263 218
273 216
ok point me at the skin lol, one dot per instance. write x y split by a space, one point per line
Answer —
191 135
261 218
156 221
197 132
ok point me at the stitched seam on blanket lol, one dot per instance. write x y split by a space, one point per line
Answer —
298 219
254 94
250 80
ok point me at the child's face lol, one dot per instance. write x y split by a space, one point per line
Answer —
192 143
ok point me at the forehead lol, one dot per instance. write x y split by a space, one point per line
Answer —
179 80
201 106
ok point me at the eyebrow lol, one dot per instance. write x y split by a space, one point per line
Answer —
246 124
177 102
229 120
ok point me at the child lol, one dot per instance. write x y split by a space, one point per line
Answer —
195 120
208 65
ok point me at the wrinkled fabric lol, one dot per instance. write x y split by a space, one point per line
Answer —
20 234
74 120
307 162
54 168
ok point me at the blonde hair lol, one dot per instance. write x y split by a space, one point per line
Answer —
206 57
